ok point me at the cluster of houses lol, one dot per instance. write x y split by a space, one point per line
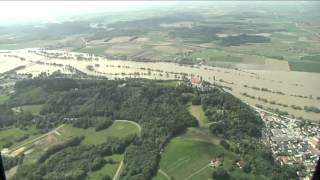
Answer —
199 83
293 142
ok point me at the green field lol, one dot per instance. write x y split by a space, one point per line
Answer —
157 36
14 134
315 58
189 159
216 55
305 66
118 129
4 98
198 113
182 158
34 109
25 44
98 50
202 134
108 169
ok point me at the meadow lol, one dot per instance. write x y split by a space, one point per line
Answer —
117 129
198 113
16 136
35 149
34 109
189 159
3 98
108 169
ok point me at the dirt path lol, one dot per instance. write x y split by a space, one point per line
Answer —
11 172
164 173
116 176
132 122
203 168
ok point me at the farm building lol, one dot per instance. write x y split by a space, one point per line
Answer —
196 81
215 162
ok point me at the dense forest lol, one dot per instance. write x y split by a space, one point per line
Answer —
160 110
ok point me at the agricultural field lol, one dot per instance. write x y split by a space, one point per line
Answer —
188 155
189 159
96 50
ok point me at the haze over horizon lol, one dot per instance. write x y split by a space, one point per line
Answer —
20 12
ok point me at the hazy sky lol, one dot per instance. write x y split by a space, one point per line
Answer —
35 11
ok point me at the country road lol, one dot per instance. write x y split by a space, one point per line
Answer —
116 176
164 173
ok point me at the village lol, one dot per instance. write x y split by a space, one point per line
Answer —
292 141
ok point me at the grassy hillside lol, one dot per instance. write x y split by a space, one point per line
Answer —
16 135
118 129
34 109
108 169
198 113
185 158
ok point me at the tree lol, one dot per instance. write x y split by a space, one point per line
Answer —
246 168
225 144
196 100
106 177
221 174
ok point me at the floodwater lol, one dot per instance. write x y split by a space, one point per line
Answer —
288 82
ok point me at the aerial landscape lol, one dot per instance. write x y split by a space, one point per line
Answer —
160 90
